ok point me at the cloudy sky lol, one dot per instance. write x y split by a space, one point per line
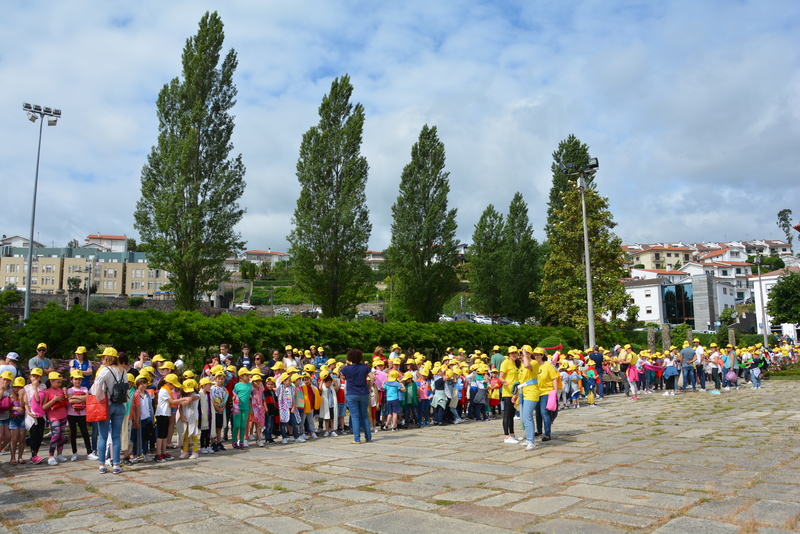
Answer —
693 108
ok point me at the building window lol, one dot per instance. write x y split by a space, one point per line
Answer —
685 257
49 268
109 273
12 268
657 256
740 294
150 286
110 284
646 292
632 300
34 280
724 272
648 310
724 291
669 254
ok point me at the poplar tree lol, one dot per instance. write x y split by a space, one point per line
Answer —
485 257
521 269
331 220
190 185
570 150
423 248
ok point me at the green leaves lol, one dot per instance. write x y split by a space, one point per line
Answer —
423 250
331 220
190 187
784 299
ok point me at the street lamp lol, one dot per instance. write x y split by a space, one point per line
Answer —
591 168
763 304
35 112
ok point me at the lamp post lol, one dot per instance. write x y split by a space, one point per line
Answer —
763 304
35 112
590 169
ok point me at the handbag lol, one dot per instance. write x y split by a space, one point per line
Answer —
96 410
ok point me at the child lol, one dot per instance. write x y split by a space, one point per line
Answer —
393 389
495 385
287 405
219 399
166 402
55 407
424 392
5 391
257 410
574 386
189 416
242 394
205 415
311 402
16 422
76 413
481 394
271 409
127 422
591 377
142 419
330 407
34 398
410 400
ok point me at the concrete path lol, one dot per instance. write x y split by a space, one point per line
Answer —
690 463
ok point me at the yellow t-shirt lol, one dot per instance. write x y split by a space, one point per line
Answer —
529 393
511 375
547 373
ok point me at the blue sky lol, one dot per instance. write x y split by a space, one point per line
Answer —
693 108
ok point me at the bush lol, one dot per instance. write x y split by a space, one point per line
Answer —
98 303
135 302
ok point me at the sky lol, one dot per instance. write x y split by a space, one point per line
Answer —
692 107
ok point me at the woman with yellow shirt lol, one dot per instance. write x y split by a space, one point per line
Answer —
548 381
509 370
529 384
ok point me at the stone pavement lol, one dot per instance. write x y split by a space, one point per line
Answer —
690 463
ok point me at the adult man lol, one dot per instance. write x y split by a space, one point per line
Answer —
699 362
245 360
597 357
41 361
547 382
688 357
12 365
497 358
144 361
225 358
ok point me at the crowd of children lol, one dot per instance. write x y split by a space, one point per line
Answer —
300 395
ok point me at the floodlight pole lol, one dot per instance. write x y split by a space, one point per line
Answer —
589 295
763 304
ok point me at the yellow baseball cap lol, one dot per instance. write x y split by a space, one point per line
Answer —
52 376
75 374
244 371
496 347
393 375
172 380
35 371
157 358
309 368
512 349
131 378
8 375
188 374
288 347
80 350
41 346
205 380
109 351
19 382
168 365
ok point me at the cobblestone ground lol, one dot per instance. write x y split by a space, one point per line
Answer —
690 463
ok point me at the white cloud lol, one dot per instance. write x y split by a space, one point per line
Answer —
691 107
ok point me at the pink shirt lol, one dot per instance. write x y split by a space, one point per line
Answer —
77 409
58 410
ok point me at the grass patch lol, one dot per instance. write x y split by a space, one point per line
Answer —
56 515
260 486
197 487
58 482
320 481
444 502
279 487
91 489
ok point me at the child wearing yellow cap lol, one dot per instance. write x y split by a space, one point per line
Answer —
16 420
219 399
166 401
189 417
34 398
55 406
410 400
242 395
393 408
76 413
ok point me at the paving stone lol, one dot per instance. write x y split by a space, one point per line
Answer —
23 515
137 494
217 525
611 517
629 482
682 525
355 495
543 506
466 494
407 488
629 496
150 529
96 502
280 525
572 526
410 502
181 516
488 516
160 508
618 458
58 525
724 509
345 514
772 513
59 492
414 521
561 473
454 479
238 511
475 467
645 511
501 500
282 498
115 526
388 467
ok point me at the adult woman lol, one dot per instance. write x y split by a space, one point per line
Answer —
108 378
81 364
258 363
359 377
508 375
670 371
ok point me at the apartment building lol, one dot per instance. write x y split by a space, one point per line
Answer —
667 256
266 256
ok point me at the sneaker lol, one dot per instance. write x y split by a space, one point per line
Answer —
727 388
92 456
326 434
117 469
103 469
108 462
221 447
194 456
313 435
36 460
510 439
184 455
147 458
160 458
301 439
61 458
523 442
168 456
74 457
260 443
671 393
235 445
284 441
531 446
516 418
292 439
546 438
458 421
666 394
715 392
245 444
334 434
52 461
127 461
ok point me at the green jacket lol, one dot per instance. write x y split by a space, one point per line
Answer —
411 395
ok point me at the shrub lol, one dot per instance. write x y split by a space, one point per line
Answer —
135 302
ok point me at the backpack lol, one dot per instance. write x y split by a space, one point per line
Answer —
119 393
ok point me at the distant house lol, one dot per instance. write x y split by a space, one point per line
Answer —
16 241
658 256
762 289
374 259
107 243
266 256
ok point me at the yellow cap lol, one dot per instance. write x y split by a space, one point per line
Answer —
131 378
307 353
52 376
75 374
19 382
158 358
288 347
331 361
41 346
231 368
407 376
244 371
188 374
528 349
512 349
309 368
8 375
35 371
172 380
216 369
109 351
278 366
205 380
80 350
323 375
168 365
393 374
496 347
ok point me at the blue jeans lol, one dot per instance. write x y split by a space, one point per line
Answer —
116 414
600 389
425 410
528 407
689 376
359 410
756 376
542 416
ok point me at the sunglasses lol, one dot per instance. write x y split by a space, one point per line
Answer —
41 350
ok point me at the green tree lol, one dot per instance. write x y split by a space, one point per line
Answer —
73 243
563 294
485 257
766 264
190 186
131 243
784 299
785 224
248 270
521 271
571 150
423 248
331 220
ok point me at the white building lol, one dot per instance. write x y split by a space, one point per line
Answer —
736 273
107 243
761 290
266 256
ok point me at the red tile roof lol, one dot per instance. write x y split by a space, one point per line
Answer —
103 236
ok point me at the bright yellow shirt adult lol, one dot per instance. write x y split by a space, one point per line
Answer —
510 374
547 373
529 393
